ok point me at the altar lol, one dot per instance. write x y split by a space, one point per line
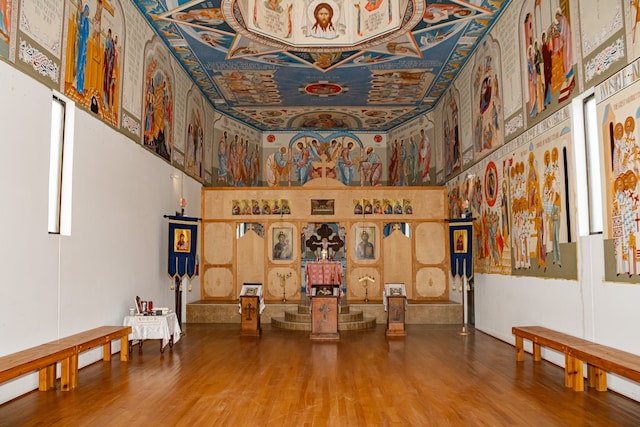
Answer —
323 272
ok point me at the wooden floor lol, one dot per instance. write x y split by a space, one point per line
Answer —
432 377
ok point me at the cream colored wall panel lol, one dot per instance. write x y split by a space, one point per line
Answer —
218 283
430 243
218 242
398 261
250 256
431 282
359 287
283 283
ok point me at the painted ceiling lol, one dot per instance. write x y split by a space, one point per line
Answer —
366 65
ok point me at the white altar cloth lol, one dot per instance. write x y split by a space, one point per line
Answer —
154 328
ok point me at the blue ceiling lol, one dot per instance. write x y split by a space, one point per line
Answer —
372 86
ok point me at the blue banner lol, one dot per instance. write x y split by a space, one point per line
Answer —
183 245
460 238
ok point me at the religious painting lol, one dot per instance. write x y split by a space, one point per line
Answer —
6 9
282 243
460 239
182 239
250 290
407 206
193 147
487 115
158 106
94 52
357 207
325 290
265 207
394 289
397 207
365 243
547 57
322 206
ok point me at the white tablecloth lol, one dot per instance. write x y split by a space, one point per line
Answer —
154 328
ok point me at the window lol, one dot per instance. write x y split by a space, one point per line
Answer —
587 163
61 145
594 178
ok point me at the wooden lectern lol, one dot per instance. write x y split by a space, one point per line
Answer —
395 315
324 317
250 315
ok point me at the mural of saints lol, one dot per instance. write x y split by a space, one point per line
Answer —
547 54
451 134
194 143
93 60
488 133
625 213
158 111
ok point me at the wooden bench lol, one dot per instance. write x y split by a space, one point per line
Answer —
43 358
599 358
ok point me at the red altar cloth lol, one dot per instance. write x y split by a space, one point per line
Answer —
323 273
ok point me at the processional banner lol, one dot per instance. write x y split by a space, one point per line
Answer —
460 248
182 250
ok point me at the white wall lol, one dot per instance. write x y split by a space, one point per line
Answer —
604 312
54 286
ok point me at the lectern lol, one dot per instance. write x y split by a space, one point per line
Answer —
251 306
250 314
395 304
395 315
324 312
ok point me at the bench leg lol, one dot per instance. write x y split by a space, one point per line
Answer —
597 378
537 353
106 352
124 349
47 378
519 349
65 374
73 371
573 373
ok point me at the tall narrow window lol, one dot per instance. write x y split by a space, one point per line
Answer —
55 164
61 145
594 176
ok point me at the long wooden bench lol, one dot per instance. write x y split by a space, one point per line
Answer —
44 358
599 358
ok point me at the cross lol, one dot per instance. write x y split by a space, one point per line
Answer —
324 310
249 309
396 226
637 220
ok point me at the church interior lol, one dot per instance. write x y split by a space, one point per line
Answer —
369 212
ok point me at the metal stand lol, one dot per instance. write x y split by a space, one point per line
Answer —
463 287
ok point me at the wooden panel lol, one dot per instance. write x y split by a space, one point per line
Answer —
218 242
356 286
274 290
428 202
398 265
250 256
218 282
431 243
431 282
394 258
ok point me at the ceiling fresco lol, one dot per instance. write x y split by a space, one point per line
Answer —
361 65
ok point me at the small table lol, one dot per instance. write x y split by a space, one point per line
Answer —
164 328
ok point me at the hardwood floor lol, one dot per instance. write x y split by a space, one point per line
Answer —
432 377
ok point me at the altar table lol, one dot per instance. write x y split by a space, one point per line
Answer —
323 273
164 328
